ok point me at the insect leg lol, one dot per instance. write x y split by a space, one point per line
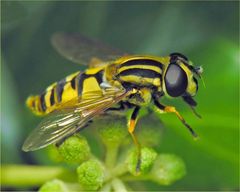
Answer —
131 128
190 101
171 109
195 112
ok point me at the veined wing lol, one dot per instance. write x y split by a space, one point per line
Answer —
71 118
81 50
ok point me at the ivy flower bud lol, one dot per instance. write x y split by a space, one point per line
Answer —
54 185
148 157
74 149
167 169
150 132
112 130
53 154
90 175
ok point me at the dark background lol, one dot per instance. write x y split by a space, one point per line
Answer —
207 32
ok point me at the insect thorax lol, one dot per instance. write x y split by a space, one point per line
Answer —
142 97
137 72
144 74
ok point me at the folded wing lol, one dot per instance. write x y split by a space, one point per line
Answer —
72 117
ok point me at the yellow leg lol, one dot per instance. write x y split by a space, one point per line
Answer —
131 128
171 109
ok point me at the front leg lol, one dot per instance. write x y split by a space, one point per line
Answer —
171 109
190 101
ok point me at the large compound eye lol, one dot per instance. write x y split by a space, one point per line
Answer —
175 80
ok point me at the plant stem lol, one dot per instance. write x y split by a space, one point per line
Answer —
119 170
106 188
134 178
118 185
24 175
111 155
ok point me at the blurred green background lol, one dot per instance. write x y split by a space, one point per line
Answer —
207 32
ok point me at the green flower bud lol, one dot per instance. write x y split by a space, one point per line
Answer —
167 169
54 186
148 157
74 149
149 130
90 175
112 130
53 154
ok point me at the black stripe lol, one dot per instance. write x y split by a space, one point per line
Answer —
73 82
33 104
59 89
42 101
148 73
99 77
52 101
196 82
80 78
143 62
175 56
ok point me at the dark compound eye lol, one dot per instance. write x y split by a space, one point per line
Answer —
175 80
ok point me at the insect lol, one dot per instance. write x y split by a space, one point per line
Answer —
113 81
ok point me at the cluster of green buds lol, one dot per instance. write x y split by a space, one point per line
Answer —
117 168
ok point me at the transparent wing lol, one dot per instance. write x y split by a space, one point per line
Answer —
71 118
81 50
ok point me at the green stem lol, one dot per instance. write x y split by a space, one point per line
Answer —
118 185
119 170
24 175
106 188
111 155
134 178
73 186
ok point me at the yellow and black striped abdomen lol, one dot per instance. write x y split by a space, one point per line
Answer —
71 87
142 72
54 94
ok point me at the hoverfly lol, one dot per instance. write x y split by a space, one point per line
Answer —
114 80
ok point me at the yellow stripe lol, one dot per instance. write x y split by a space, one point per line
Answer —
47 99
68 93
90 84
70 77
93 71
50 87
154 68
142 80
124 59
